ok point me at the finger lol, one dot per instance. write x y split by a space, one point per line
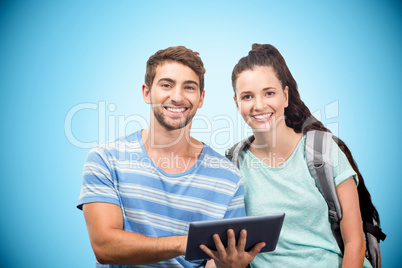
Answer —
256 249
241 244
208 251
231 240
220 248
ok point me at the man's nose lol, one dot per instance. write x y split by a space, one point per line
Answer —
177 95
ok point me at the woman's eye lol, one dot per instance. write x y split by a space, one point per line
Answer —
246 97
269 93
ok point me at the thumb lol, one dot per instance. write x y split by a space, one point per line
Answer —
256 249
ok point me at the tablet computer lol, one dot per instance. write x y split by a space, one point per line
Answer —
259 229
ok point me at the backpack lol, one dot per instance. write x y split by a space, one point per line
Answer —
317 148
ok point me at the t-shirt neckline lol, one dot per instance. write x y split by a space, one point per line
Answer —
287 162
190 170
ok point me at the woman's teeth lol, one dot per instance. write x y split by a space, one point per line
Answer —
262 116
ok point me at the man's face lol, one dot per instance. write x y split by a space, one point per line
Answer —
174 95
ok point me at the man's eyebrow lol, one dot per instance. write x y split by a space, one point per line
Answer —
191 82
166 80
170 80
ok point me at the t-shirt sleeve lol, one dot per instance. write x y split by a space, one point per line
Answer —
236 207
341 166
97 181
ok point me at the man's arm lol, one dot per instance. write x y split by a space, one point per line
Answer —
112 245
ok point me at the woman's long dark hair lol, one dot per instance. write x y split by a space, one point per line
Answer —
298 115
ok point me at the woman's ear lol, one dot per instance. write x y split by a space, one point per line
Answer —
237 104
286 96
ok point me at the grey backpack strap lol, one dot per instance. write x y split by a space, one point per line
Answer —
318 148
373 236
233 153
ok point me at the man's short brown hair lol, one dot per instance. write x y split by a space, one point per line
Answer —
179 54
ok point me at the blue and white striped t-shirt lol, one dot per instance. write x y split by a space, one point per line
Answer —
155 203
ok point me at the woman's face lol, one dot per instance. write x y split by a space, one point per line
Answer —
260 99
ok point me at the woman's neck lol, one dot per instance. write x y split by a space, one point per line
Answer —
275 147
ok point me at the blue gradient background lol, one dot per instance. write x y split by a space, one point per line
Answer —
55 55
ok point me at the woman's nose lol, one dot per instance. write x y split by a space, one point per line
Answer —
259 103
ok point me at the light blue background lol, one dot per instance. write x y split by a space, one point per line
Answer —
54 55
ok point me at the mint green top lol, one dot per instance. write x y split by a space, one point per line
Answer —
306 239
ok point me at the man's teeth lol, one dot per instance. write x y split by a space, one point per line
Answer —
263 116
176 110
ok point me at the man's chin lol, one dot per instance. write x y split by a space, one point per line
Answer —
170 124
174 126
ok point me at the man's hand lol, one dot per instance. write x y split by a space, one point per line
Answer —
233 256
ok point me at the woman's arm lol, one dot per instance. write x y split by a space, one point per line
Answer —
351 224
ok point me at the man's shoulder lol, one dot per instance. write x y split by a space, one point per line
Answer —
132 140
213 159
118 147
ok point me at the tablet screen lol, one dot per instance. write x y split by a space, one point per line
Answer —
259 229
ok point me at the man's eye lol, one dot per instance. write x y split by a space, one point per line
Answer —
189 88
165 85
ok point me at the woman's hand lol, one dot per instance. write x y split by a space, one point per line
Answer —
233 256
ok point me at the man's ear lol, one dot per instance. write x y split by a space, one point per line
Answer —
201 99
286 94
146 94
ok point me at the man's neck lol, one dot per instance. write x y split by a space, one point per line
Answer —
174 151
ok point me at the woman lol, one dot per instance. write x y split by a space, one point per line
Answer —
276 175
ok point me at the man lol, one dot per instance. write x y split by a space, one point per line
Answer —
141 191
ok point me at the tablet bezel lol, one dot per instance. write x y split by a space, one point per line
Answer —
264 228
